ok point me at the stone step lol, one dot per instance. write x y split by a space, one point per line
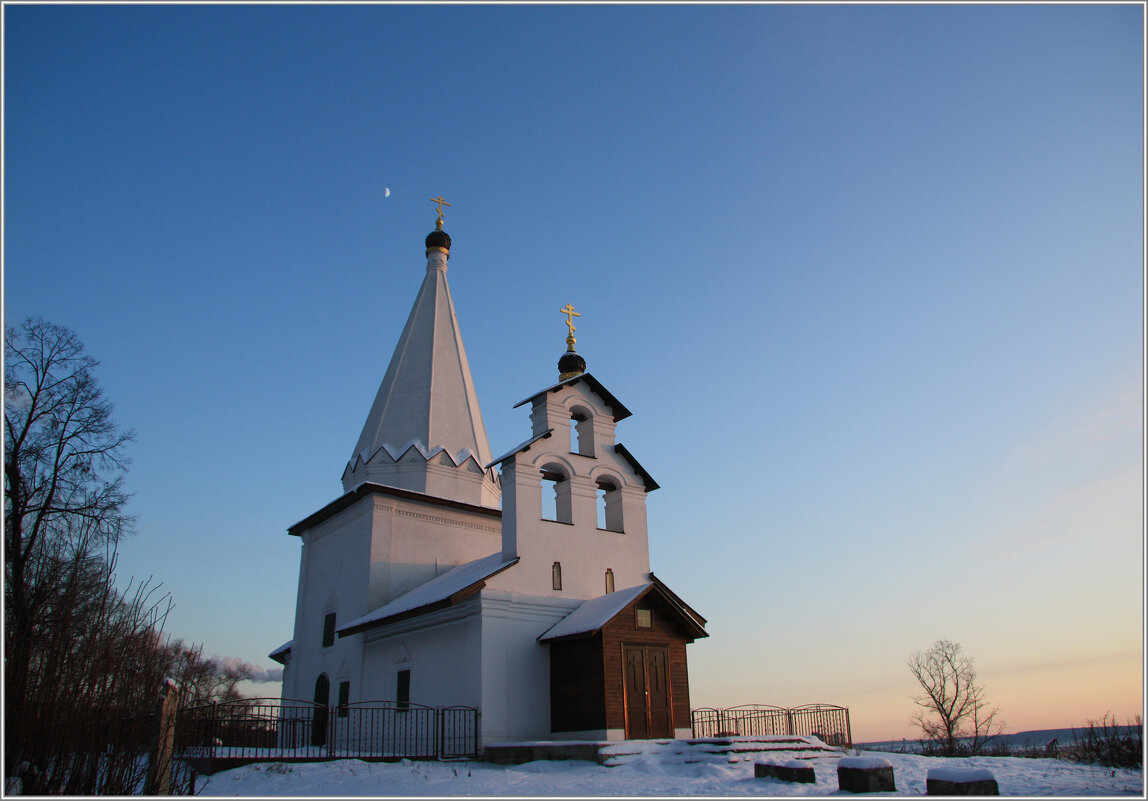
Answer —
519 753
709 749
724 745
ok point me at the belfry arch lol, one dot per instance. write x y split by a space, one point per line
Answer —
582 431
557 503
609 503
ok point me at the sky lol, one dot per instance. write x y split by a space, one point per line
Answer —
870 277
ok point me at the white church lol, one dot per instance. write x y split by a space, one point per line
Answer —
440 577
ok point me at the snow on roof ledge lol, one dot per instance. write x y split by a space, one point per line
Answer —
522 446
593 614
437 590
620 411
281 652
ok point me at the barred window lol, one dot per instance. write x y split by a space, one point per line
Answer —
344 697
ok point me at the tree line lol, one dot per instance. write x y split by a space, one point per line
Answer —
84 660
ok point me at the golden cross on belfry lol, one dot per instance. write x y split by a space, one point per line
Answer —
441 201
570 315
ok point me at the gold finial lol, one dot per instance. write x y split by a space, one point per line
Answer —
571 364
570 315
441 201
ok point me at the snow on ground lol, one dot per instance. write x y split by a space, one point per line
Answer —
650 772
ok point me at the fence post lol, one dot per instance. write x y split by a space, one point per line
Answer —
163 745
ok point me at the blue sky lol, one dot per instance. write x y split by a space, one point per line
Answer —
870 278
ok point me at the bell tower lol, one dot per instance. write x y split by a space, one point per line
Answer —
574 503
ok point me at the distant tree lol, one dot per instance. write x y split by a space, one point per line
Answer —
954 715
204 681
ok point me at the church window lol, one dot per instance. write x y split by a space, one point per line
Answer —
344 697
556 575
556 503
403 690
642 618
609 580
609 506
328 629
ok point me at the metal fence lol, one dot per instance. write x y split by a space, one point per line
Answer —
274 729
828 723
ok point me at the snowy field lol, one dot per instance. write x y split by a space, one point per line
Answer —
651 773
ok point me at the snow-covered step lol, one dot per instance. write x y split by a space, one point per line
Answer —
715 749
710 749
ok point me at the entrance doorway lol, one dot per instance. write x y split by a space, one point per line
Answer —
649 711
319 714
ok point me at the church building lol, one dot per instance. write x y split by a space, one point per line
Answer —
441 577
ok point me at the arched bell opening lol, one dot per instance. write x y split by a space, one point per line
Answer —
556 501
609 497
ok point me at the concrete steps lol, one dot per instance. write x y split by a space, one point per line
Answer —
715 749
707 749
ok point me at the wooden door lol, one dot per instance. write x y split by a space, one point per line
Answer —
637 712
658 688
649 711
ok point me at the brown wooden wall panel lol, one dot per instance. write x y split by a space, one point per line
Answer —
577 685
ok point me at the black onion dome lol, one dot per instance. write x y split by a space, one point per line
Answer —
571 363
438 239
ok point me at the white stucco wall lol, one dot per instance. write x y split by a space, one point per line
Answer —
515 666
412 542
442 651
362 557
333 577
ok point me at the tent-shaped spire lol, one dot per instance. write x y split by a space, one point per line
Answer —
424 431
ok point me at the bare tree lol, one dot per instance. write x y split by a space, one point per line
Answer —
83 660
954 714
63 499
204 680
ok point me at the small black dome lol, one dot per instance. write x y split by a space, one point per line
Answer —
438 239
571 363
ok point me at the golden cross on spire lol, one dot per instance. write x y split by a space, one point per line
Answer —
441 201
570 315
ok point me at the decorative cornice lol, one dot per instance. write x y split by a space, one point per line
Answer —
445 521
